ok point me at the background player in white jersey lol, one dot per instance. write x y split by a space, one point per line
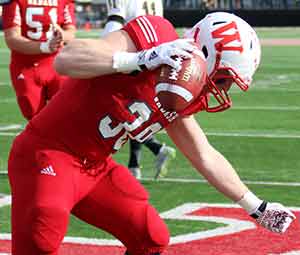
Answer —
120 12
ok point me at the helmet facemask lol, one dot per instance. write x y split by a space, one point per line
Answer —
219 82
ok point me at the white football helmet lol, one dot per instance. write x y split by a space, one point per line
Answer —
232 51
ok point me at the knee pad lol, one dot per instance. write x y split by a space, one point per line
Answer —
48 227
156 238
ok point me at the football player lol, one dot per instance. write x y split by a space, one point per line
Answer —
34 31
120 12
61 163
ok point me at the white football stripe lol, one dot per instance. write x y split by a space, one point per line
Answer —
147 29
151 28
184 93
143 30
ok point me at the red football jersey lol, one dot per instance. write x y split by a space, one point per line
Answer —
93 118
35 17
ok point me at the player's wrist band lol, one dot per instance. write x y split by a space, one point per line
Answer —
44 47
126 62
250 202
259 210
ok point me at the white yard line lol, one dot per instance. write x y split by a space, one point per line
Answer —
256 134
267 108
8 134
262 134
11 127
8 100
5 199
187 180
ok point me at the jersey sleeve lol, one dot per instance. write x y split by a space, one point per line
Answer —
69 13
149 31
11 15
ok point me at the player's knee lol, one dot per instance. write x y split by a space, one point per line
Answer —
28 108
48 226
156 237
153 237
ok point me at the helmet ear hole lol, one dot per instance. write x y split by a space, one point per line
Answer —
205 51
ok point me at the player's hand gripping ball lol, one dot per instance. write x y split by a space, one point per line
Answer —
178 89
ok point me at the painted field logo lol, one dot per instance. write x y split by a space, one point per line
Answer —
239 236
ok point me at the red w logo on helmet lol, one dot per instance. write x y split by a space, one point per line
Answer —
222 32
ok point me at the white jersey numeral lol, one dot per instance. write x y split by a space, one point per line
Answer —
37 26
142 112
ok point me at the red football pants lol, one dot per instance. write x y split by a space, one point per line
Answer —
34 84
49 184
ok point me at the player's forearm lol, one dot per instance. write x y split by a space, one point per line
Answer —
88 58
23 45
190 139
219 172
16 42
85 58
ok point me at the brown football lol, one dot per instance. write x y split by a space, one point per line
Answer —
176 90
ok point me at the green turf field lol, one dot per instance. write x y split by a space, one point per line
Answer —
260 135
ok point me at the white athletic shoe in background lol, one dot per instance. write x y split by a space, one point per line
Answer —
136 172
165 155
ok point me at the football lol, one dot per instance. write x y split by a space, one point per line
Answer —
177 89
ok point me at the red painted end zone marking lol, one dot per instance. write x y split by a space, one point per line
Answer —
81 249
256 241
251 242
